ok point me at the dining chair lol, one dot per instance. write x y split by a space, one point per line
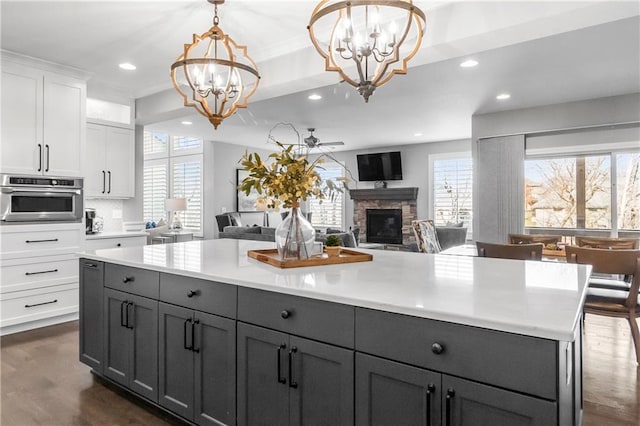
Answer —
620 302
530 239
510 251
608 243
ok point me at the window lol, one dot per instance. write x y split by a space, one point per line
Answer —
328 213
173 170
452 190
578 192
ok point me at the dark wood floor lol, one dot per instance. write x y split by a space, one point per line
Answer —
43 383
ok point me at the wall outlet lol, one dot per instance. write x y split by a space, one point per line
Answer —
223 209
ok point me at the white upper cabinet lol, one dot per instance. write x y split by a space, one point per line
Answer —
110 165
43 122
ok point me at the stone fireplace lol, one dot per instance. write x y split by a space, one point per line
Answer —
402 199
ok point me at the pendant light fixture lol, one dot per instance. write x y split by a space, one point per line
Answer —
367 41
214 74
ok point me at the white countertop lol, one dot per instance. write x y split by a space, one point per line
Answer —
115 234
540 299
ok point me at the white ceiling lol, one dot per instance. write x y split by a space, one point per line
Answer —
540 52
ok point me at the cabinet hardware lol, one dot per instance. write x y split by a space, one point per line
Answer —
192 293
46 146
131 324
285 314
128 279
123 319
186 342
279 350
109 190
52 240
90 265
41 272
39 157
292 383
104 181
431 388
40 304
119 245
437 348
450 394
193 336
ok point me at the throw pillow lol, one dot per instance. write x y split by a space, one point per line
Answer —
426 237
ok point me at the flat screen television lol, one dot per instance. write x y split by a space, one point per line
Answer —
379 166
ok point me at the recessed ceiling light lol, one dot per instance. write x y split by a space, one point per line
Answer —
469 63
417 135
187 123
503 96
315 97
127 66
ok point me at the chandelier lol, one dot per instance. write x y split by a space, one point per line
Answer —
214 74
367 41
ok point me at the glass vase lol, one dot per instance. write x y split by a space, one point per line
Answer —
295 236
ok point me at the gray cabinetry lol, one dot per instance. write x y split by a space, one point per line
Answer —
91 300
131 342
197 365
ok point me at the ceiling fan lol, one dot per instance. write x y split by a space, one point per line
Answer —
313 142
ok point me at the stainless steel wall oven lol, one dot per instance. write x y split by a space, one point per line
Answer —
40 198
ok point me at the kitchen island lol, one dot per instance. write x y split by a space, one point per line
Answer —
213 336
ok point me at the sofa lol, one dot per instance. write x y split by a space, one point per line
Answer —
263 233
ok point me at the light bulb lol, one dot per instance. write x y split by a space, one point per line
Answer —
393 28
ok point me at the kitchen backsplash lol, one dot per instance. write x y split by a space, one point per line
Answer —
110 211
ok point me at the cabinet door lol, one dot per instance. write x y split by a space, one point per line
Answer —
120 156
21 120
469 403
175 381
143 324
91 300
391 393
63 125
321 383
263 389
117 338
215 369
95 174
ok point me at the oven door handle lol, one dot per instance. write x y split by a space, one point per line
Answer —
46 192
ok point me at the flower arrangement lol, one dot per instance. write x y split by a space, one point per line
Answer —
287 178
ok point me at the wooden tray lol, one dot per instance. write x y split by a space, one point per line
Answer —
271 257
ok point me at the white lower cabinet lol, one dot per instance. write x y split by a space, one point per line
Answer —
115 242
39 284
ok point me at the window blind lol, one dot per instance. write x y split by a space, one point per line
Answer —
187 182
155 144
328 213
155 190
452 191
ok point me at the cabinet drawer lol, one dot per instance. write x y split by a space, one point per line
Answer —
51 241
105 243
522 363
202 295
25 274
24 306
132 280
316 319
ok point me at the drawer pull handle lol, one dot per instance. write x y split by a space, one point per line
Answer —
450 394
192 293
90 265
52 240
119 245
285 314
41 272
437 348
280 378
128 279
431 388
40 304
292 383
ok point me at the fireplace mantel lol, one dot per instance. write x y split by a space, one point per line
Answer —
384 194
